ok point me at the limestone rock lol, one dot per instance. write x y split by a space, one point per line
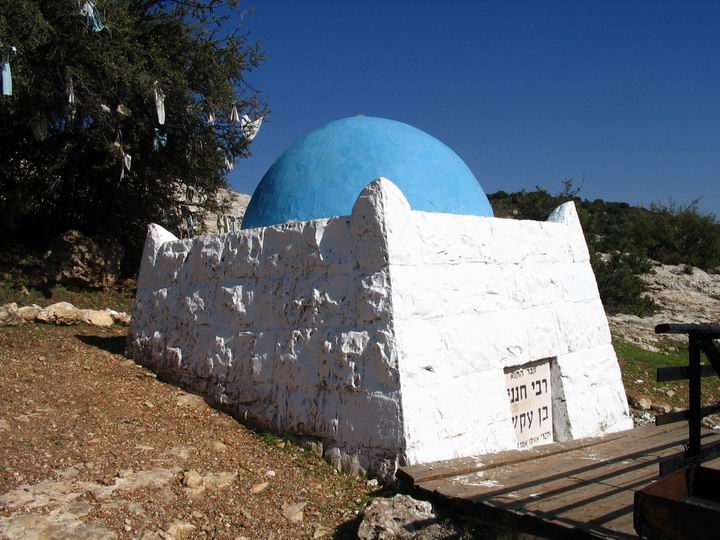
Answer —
258 488
77 260
684 294
62 313
192 479
294 512
119 317
230 205
218 446
179 530
321 532
661 408
219 480
9 315
96 317
643 404
192 401
29 313
398 517
58 525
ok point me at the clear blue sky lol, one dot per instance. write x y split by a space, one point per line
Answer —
623 94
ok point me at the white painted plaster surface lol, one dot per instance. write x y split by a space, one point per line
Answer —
385 333
472 296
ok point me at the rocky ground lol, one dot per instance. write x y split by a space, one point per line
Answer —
684 295
94 446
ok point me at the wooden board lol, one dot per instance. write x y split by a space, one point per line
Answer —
579 489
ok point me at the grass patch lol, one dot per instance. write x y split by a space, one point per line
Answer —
119 298
639 372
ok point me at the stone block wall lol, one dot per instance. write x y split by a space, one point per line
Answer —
475 296
287 326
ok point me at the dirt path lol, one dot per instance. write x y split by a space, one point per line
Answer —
93 446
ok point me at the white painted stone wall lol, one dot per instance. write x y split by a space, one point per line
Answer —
383 334
472 296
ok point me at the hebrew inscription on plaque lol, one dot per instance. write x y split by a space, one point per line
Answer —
530 395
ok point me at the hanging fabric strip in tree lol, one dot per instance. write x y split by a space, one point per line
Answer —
211 118
6 79
159 103
249 127
72 107
126 164
159 141
234 116
93 17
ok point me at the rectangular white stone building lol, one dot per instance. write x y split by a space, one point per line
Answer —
391 336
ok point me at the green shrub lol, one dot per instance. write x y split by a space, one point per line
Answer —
618 279
677 235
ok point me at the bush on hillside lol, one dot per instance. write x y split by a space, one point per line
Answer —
619 283
677 235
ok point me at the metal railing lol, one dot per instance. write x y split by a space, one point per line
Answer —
700 340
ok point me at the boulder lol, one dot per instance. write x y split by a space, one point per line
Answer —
399 517
60 313
10 316
661 408
96 317
637 401
120 317
77 260
29 313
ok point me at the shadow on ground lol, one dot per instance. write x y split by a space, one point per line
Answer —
111 344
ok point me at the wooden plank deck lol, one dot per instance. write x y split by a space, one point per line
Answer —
578 489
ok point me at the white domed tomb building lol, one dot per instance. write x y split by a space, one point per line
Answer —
373 304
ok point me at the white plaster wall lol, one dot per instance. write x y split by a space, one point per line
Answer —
385 333
288 326
472 296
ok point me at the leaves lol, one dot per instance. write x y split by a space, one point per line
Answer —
71 180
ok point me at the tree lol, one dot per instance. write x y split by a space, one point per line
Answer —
94 93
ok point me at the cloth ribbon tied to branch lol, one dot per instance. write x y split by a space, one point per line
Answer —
7 87
72 108
6 79
211 118
249 127
90 12
159 103
159 141
234 116
126 164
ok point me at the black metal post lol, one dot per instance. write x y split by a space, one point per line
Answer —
694 398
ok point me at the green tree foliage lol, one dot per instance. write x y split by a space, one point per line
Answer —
619 283
71 178
677 234
621 238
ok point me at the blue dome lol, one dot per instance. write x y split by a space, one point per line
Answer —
322 174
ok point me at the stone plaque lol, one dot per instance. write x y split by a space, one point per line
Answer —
528 388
